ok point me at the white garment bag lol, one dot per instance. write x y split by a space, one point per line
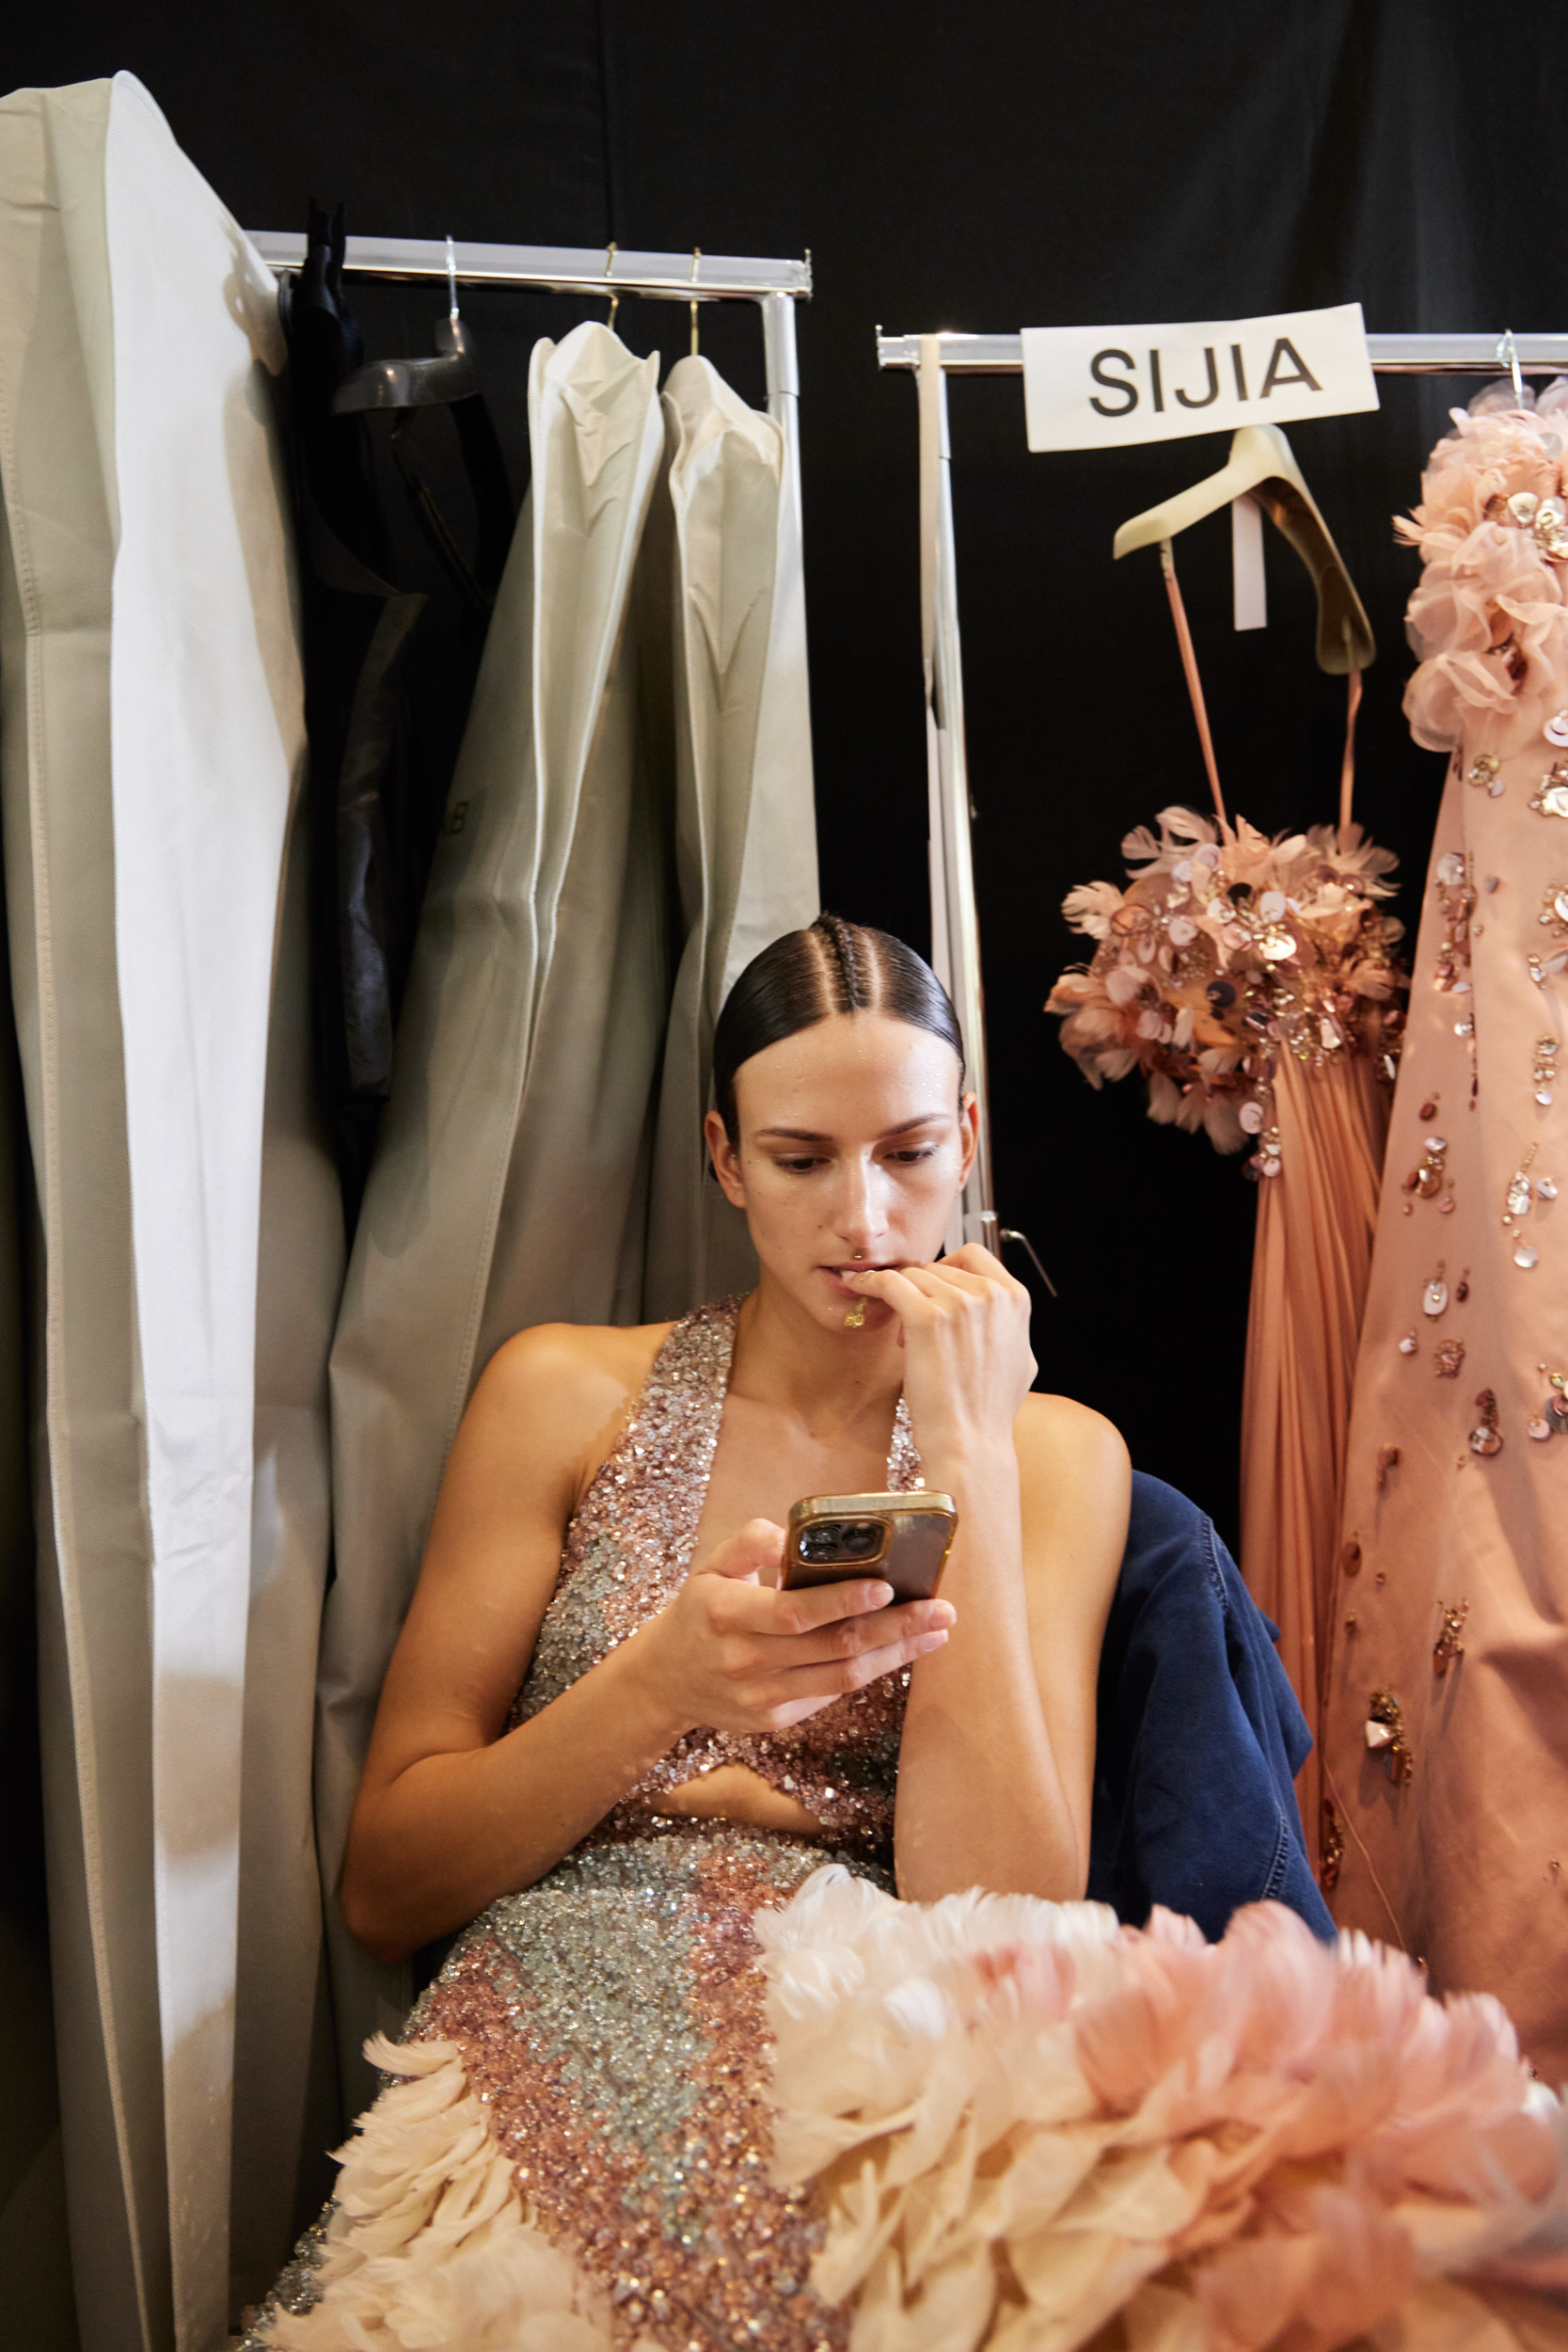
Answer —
641 719
745 819
151 743
524 1058
286 2107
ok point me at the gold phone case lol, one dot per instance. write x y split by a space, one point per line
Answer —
903 1539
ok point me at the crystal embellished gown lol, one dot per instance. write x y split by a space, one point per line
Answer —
1443 1756
693 2090
611 2053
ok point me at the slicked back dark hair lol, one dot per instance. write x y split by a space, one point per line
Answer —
805 977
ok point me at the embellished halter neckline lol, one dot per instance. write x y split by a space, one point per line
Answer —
628 1552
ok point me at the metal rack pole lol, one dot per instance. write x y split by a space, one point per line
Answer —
783 376
1390 355
955 916
775 286
558 269
954 920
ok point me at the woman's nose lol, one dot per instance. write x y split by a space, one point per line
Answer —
862 1209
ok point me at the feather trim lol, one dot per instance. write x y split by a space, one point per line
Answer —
1029 2124
428 2245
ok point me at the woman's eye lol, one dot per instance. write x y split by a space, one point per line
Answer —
922 1152
800 1166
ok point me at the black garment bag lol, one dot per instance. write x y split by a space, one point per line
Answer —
376 793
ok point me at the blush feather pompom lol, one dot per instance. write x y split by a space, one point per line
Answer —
1034 2129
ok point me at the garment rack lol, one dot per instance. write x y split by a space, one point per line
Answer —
775 286
954 918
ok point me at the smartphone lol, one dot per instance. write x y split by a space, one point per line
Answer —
903 1539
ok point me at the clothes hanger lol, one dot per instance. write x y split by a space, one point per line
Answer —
418 383
450 380
1262 466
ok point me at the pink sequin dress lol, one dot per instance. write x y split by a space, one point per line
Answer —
610 2020
1444 1758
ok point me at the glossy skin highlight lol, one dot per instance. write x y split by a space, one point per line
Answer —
853 1144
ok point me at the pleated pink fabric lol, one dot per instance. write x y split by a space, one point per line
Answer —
1310 1264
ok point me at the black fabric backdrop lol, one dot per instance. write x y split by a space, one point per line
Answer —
988 166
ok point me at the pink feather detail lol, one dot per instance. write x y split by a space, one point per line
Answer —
1265 2141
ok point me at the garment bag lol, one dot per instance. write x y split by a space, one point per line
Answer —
745 827
153 747
286 2107
548 748
34 2243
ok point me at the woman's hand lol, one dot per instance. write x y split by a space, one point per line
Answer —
964 1326
735 1655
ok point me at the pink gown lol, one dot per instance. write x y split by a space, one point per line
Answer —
1444 1758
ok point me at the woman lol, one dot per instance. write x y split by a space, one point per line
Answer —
607 1738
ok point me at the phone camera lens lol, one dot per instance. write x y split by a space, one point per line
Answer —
832 1541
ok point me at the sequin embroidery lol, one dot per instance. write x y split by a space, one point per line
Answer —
628 1552
610 2017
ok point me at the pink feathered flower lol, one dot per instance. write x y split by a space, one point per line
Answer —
1218 953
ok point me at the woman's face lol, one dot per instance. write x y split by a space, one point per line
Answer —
853 1140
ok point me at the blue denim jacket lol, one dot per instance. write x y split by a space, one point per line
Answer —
1199 1736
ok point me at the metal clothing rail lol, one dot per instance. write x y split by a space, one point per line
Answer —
775 286
1390 355
954 918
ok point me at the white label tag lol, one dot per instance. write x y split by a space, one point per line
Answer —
1250 587
1103 387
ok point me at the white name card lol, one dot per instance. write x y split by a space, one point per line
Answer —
1103 387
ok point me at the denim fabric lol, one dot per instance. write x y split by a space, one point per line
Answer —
1199 1735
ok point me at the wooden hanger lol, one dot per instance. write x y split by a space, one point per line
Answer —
1262 466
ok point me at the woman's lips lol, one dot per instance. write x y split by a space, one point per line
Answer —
835 1275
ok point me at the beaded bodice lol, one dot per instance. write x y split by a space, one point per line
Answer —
628 1552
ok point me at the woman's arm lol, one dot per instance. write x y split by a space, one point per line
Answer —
451 1813
996 1769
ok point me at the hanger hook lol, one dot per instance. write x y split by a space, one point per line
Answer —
610 253
696 264
452 281
1508 352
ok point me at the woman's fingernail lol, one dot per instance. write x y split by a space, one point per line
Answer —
929 1641
877 1595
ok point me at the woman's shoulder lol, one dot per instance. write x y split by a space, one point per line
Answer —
587 1367
1059 1433
565 1391
1075 1478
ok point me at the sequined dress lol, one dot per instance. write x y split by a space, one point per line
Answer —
610 2019
1444 1756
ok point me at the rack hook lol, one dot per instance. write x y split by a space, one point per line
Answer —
610 253
1010 1232
696 263
1508 352
452 282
